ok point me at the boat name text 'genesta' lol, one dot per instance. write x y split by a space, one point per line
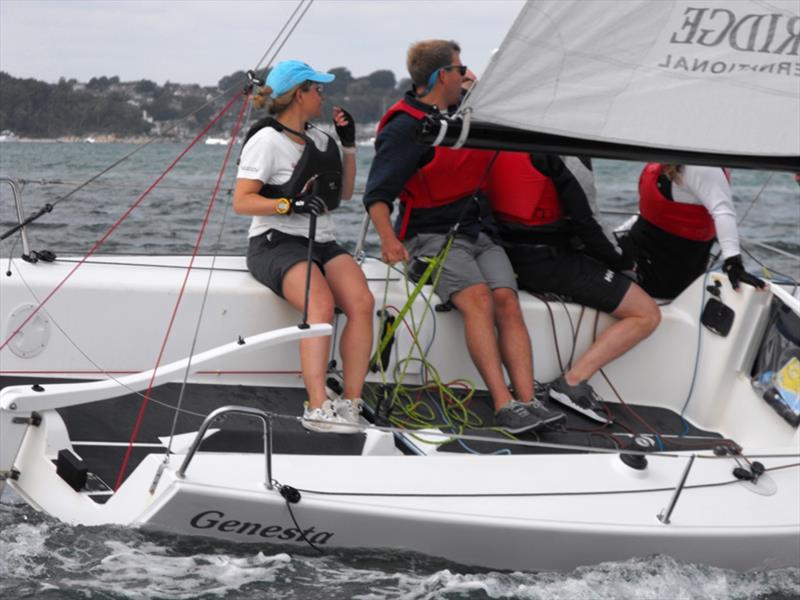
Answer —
213 519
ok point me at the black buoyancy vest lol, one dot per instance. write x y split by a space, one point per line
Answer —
322 169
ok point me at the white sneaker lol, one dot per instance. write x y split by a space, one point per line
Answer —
325 420
349 410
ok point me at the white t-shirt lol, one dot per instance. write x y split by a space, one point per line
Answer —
270 157
709 186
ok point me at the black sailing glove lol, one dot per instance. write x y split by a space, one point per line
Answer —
346 133
734 269
308 204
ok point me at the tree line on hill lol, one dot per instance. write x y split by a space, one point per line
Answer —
108 106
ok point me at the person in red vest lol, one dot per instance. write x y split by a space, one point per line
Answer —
545 210
437 188
683 209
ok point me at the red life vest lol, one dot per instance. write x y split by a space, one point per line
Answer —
451 175
520 193
690 221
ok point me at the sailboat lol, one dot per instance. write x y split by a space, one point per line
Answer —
700 458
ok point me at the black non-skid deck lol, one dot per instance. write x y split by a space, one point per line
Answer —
100 431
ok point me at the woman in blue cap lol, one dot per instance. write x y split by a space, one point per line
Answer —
288 171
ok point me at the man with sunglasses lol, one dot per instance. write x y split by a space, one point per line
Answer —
438 188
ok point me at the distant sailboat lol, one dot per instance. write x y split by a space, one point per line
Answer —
217 141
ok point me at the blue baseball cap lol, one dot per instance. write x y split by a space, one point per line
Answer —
290 73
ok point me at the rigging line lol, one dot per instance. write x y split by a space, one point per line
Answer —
572 328
577 332
758 195
74 344
119 221
115 263
246 98
112 184
205 291
695 369
794 281
277 37
542 298
771 248
532 494
49 207
514 441
288 35
357 191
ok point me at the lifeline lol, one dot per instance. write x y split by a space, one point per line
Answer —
718 67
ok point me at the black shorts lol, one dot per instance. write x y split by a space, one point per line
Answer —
666 263
577 276
271 255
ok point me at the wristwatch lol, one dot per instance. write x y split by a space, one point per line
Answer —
283 207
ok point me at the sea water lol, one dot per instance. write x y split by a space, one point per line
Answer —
43 558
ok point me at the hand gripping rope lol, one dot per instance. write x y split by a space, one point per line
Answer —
450 409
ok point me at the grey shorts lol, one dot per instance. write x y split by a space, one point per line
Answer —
468 262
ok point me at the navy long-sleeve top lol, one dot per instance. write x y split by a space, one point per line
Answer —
398 156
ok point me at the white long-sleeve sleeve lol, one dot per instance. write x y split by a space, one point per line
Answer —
709 186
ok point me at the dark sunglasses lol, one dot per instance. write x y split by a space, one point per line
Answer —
462 69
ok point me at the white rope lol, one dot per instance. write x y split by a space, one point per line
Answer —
442 133
462 137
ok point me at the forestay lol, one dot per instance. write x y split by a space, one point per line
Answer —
702 76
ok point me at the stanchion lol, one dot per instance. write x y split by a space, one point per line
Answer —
312 232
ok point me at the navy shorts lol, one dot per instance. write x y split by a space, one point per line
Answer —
577 276
271 255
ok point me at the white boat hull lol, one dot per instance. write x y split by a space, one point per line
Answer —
534 511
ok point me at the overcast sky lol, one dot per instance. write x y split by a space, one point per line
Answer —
199 42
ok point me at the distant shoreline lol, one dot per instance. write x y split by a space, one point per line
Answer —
364 133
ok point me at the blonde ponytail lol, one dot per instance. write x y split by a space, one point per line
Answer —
262 98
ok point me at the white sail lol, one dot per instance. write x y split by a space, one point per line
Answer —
699 75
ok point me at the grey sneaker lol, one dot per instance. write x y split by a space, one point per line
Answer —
581 398
549 417
514 417
349 410
325 420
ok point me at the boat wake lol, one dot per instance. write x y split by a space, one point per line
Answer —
43 558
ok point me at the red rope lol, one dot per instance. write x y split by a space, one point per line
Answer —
195 250
119 221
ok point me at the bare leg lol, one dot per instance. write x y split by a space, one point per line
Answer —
349 287
477 308
639 316
314 352
514 342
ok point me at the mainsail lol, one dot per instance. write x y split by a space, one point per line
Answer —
709 80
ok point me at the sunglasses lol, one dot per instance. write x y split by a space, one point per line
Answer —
313 87
462 69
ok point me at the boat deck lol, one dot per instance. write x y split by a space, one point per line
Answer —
100 431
